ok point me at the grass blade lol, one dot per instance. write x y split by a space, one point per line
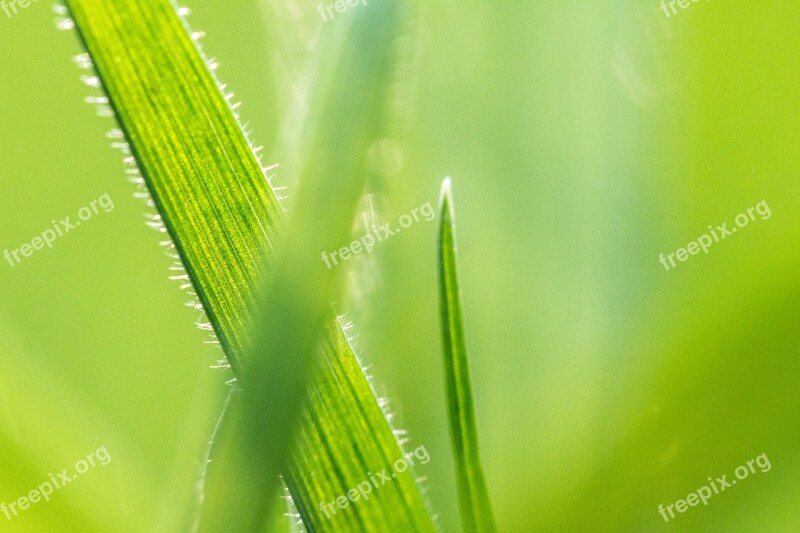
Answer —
226 223
294 305
476 512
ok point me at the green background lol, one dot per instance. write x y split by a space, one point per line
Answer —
584 139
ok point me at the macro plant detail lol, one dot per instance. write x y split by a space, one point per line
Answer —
336 358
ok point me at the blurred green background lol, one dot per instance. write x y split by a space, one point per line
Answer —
584 139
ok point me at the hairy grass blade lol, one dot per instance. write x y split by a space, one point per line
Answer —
226 223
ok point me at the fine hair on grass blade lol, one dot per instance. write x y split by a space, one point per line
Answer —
289 325
225 224
474 504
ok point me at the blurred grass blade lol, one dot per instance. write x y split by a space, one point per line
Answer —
226 223
351 63
476 511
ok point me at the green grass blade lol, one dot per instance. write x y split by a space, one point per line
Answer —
226 223
349 95
289 325
476 511
203 175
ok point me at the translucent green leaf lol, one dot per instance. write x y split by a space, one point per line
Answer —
227 224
